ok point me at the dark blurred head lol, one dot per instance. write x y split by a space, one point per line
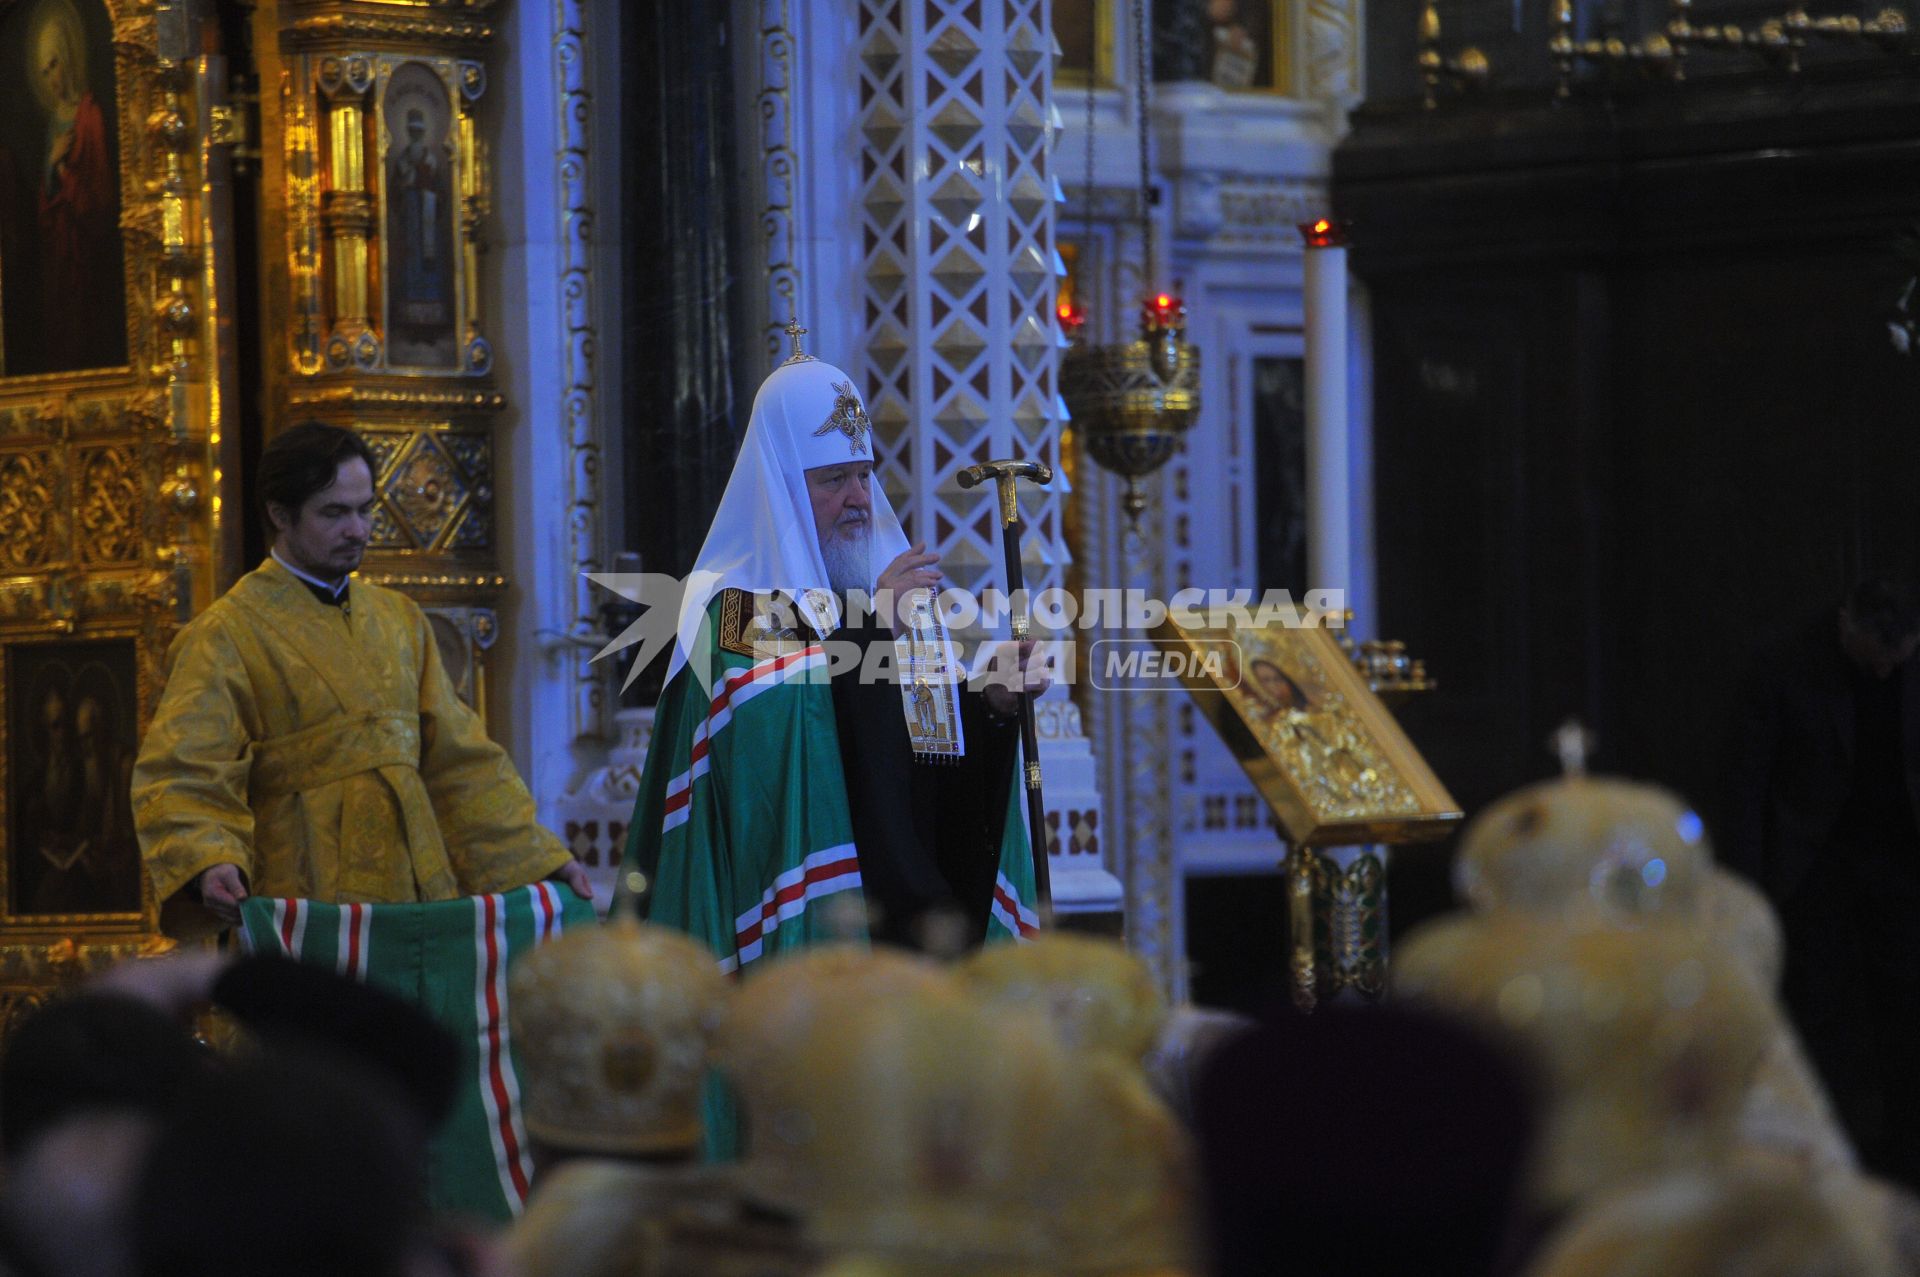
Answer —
293 1166
295 1007
1880 624
1360 1140
68 1194
93 1052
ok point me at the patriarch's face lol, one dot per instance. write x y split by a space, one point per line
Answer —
842 498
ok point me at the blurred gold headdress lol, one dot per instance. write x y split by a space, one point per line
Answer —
1096 995
1647 1038
1585 844
614 1026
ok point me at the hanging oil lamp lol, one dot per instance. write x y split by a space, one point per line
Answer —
1132 402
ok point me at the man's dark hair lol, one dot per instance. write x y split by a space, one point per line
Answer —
1422 1178
294 1007
302 1165
1880 606
89 1052
303 460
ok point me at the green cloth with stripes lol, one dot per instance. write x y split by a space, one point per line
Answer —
450 958
741 825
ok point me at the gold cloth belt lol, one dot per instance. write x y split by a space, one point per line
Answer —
336 749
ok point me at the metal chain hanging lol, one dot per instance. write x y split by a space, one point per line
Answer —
1077 317
1093 64
1132 401
1143 121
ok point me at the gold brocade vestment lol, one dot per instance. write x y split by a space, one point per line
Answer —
325 752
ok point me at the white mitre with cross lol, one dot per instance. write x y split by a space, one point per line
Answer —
807 414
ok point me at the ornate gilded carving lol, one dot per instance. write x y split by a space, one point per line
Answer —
435 489
1336 925
21 421
388 195
155 591
26 510
427 490
415 25
426 582
401 194
346 208
108 500
474 455
149 410
1357 925
301 130
109 484
44 967
473 529
476 203
364 398
385 529
174 154
1306 877
386 445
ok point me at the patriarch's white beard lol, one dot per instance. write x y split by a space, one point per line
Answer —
849 560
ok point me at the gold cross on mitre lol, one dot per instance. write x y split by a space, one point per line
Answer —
849 418
794 332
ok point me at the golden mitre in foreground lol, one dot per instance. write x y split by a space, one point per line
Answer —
1648 1038
1129 1197
614 1025
1595 852
1585 844
1612 851
1096 996
786 1000
788 995
909 1123
921 1128
1757 1223
1128 1202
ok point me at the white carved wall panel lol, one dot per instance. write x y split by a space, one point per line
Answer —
958 273
959 268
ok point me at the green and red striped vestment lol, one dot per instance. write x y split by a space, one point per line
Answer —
741 824
449 958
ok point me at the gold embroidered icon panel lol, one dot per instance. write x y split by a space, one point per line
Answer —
1322 749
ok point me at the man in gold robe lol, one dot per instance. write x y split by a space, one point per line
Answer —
309 742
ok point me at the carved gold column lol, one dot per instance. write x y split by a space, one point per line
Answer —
475 203
346 207
374 259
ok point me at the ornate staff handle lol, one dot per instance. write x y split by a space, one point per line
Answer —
1005 475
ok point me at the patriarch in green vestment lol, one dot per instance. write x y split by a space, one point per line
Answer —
821 769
